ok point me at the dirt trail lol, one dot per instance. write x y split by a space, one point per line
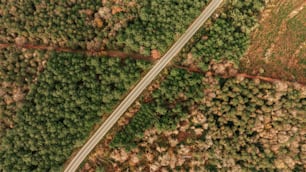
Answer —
297 10
109 53
245 75
266 79
119 54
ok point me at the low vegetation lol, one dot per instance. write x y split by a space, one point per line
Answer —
70 96
278 44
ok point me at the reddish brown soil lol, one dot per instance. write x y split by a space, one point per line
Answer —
109 53
276 44
245 75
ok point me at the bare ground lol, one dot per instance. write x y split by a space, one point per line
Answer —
110 53
278 44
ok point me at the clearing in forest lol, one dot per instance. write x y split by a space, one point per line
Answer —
278 44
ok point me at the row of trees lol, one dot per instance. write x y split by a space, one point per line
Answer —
227 38
60 110
250 124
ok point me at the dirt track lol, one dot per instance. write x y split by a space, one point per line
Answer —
110 53
120 54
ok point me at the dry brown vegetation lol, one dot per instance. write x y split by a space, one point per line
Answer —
278 44
269 138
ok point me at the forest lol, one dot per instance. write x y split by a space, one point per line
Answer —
60 110
131 26
250 124
51 101
60 23
158 24
169 103
225 37
18 70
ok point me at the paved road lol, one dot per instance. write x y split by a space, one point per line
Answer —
141 86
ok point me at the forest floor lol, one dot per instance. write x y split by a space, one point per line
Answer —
278 47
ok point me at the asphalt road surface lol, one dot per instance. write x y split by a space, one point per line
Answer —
141 86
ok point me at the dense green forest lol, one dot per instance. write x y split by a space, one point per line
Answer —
137 26
70 96
169 103
158 24
225 37
248 122
81 24
18 71
51 101
61 23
